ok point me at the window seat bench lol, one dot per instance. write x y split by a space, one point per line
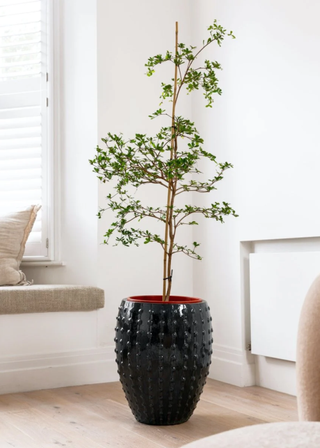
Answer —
53 336
49 298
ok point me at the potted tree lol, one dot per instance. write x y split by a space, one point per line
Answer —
164 342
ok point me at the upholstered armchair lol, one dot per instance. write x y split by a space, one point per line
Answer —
308 356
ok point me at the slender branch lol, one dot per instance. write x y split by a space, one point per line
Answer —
190 64
148 173
184 77
206 188
148 182
144 212
203 211
186 252
189 190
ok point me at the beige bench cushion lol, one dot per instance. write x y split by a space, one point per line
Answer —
48 298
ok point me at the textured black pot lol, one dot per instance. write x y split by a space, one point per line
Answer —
163 356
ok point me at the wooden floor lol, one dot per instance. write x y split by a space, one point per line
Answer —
98 416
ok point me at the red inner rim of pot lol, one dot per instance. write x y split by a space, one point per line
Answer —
158 299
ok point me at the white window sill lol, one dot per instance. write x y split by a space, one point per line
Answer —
42 264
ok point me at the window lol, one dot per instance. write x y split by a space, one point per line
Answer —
25 120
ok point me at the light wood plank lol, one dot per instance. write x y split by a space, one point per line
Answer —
98 416
12 436
44 431
264 404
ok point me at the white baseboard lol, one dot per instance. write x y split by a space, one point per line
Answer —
232 366
48 371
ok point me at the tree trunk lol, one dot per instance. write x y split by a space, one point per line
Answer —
169 230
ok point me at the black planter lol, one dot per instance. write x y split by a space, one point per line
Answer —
163 356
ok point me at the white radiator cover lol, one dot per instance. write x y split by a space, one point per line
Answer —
279 283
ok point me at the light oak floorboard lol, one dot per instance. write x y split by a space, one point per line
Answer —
97 416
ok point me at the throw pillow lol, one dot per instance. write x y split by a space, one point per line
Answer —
14 231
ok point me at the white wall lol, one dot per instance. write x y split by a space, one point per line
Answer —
266 124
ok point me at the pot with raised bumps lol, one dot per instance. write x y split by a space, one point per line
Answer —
163 354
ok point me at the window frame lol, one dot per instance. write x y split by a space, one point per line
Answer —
51 158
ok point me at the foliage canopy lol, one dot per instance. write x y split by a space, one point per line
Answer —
161 160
